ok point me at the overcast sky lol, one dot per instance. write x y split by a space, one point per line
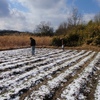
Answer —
25 15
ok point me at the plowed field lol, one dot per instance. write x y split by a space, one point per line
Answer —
50 74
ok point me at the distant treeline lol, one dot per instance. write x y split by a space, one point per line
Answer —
74 31
13 32
78 35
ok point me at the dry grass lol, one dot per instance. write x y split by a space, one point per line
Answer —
18 41
43 41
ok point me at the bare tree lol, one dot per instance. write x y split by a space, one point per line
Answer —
62 28
44 29
97 18
75 18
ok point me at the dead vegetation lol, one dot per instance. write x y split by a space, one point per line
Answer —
20 41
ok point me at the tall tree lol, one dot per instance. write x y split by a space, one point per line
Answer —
44 29
75 18
97 18
62 28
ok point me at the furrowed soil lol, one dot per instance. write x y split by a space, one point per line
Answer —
50 74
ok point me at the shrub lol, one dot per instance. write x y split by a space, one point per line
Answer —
73 39
89 41
97 40
57 41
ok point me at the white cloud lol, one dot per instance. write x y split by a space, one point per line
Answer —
54 11
88 17
24 15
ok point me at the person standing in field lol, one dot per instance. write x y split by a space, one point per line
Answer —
33 43
62 42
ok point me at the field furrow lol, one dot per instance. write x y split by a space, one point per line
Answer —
51 74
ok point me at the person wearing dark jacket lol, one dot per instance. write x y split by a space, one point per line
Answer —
33 43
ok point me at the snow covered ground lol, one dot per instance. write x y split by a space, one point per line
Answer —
27 77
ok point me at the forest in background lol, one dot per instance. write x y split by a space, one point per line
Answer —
74 32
